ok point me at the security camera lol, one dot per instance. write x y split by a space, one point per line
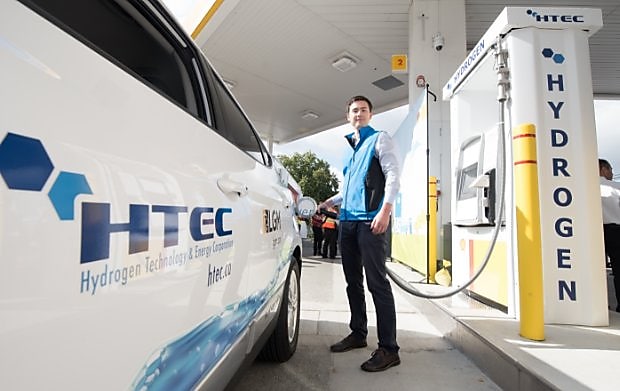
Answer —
438 41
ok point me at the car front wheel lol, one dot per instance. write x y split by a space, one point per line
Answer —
283 342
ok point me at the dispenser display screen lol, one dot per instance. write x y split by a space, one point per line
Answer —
466 177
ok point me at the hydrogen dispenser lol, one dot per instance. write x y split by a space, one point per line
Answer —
531 70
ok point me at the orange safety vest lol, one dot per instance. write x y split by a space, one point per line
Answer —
329 223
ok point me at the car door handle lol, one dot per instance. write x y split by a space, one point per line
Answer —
227 185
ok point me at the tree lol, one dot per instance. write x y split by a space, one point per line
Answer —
312 174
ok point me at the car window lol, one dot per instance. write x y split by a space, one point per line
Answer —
128 34
123 33
238 129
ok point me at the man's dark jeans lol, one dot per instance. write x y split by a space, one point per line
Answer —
318 239
362 251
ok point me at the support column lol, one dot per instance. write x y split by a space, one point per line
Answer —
426 19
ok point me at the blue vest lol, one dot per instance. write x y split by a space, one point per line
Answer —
364 183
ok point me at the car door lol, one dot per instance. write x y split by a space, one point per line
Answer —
273 222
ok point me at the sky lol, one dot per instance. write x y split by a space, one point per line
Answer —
607 113
330 145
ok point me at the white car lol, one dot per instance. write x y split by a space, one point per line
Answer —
147 239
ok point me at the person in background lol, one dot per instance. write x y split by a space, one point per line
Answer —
368 193
610 199
330 234
317 230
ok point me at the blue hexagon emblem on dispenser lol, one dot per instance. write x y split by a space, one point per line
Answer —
558 58
547 52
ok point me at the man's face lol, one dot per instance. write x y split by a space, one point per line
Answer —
607 172
359 114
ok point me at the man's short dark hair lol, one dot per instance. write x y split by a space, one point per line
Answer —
603 163
358 98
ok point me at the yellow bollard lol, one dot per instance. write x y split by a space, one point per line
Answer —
527 206
432 228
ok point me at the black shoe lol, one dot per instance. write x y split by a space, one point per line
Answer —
381 360
348 343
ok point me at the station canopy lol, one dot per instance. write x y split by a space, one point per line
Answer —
292 64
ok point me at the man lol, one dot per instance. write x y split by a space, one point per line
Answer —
368 193
610 198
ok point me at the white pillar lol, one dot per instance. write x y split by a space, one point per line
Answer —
552 88
426 19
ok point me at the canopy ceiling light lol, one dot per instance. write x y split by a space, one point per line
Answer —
344 62
309 115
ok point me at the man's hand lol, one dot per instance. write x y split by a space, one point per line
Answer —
381 221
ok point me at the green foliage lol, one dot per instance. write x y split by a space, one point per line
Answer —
312 174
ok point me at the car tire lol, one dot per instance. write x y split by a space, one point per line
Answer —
283 342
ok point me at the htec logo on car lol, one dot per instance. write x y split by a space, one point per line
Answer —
26 165
204 223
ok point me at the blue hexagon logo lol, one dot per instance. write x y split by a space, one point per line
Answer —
24 163
558 58
547 53
65 189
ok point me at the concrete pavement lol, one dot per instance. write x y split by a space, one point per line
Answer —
428 360
454 343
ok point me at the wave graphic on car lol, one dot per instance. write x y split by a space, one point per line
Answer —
181 364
